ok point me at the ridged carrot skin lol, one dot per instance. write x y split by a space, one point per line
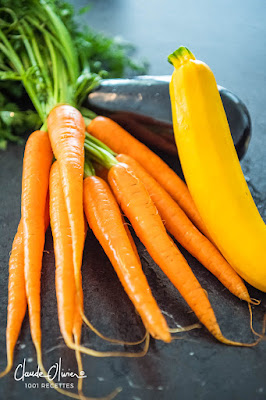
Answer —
17 299
35 180
104 218
120 141
67 134
139 208
64 273
180 226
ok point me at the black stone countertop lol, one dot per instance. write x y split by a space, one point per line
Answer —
229 37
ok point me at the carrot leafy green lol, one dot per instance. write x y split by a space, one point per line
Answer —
47 55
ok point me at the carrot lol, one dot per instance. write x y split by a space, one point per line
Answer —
35 179
144 133
102 172
17 300
70 320
67 298
121 141
138 206
67 133
64 273
179 225
105 220
88 171
77 329
36 167
69 305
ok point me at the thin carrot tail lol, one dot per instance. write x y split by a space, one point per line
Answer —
65 392
185 328
50 381
8 367
251 317
6 371
80 367
9 364
111 340
77 331
102 354
222 339
254 302
111 396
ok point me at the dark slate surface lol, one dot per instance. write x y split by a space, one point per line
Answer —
229 36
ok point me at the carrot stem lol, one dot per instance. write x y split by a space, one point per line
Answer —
99 154
88 168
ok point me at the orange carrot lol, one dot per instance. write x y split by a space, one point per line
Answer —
70 319
179 225
35 179
120 141
67 133
64 273
67 299
77 330
36 167
102 172
143 215
69 305
143 132
105 220
17 300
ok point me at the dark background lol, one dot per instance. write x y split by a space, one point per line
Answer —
230 38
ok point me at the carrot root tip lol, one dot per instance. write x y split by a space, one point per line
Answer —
6 371
111 340
185 329
254 302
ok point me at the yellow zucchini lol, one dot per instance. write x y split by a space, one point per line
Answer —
212 169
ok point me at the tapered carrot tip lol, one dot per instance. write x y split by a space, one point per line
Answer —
7 370
254 302
161 333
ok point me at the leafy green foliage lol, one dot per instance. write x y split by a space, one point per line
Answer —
52 63
13 121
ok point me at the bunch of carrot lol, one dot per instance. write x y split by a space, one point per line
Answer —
153 198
